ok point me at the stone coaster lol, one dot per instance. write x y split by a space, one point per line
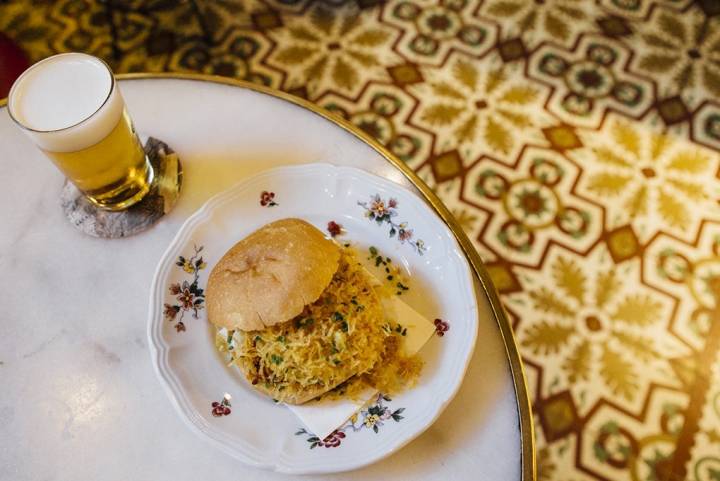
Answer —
163 194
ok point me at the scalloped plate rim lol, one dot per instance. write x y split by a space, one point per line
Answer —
159 348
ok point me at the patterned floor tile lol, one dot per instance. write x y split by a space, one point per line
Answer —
382 111
333 50
239 56
650 180
480 107
531 206
597 332
559 21
706 125
681 52
705 462
591 80
640 9
434 28
617 444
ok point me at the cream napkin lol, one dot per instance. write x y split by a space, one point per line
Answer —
322 417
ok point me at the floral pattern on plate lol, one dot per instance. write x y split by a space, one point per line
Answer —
267 199
189 296
373 418
441 327
222 407
382 212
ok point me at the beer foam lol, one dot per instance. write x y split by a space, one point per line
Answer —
67 102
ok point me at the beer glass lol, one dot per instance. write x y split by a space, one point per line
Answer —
71 108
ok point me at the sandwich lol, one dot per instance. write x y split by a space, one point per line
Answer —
300 316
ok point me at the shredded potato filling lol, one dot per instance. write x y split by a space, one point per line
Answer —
340 341
392 374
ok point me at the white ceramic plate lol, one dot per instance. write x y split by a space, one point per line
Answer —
257 431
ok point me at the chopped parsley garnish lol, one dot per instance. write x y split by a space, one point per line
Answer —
373 250
392 273
307 322
402 288
281 339
344 326
276 359
257 338
338 317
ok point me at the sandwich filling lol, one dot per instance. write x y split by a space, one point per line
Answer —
340 343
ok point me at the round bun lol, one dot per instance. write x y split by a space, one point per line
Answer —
270 276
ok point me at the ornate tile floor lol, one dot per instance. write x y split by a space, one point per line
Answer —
576 141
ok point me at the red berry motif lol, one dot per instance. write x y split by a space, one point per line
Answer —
267 199
221 408
333 439
441 327
334 228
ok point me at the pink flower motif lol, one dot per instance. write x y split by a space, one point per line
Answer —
175 289
405 234
441 327
383 212
377 207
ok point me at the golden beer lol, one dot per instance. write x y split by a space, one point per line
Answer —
113 173
70 106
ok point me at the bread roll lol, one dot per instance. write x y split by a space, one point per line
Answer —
270 276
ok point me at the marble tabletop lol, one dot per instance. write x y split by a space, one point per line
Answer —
79 398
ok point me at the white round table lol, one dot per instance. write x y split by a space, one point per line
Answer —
79 399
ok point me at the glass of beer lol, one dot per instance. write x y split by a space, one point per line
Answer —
71 108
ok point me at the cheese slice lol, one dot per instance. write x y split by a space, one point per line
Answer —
323 417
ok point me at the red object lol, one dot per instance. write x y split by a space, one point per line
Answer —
13 62
334 228
333 439
266 199
441 327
